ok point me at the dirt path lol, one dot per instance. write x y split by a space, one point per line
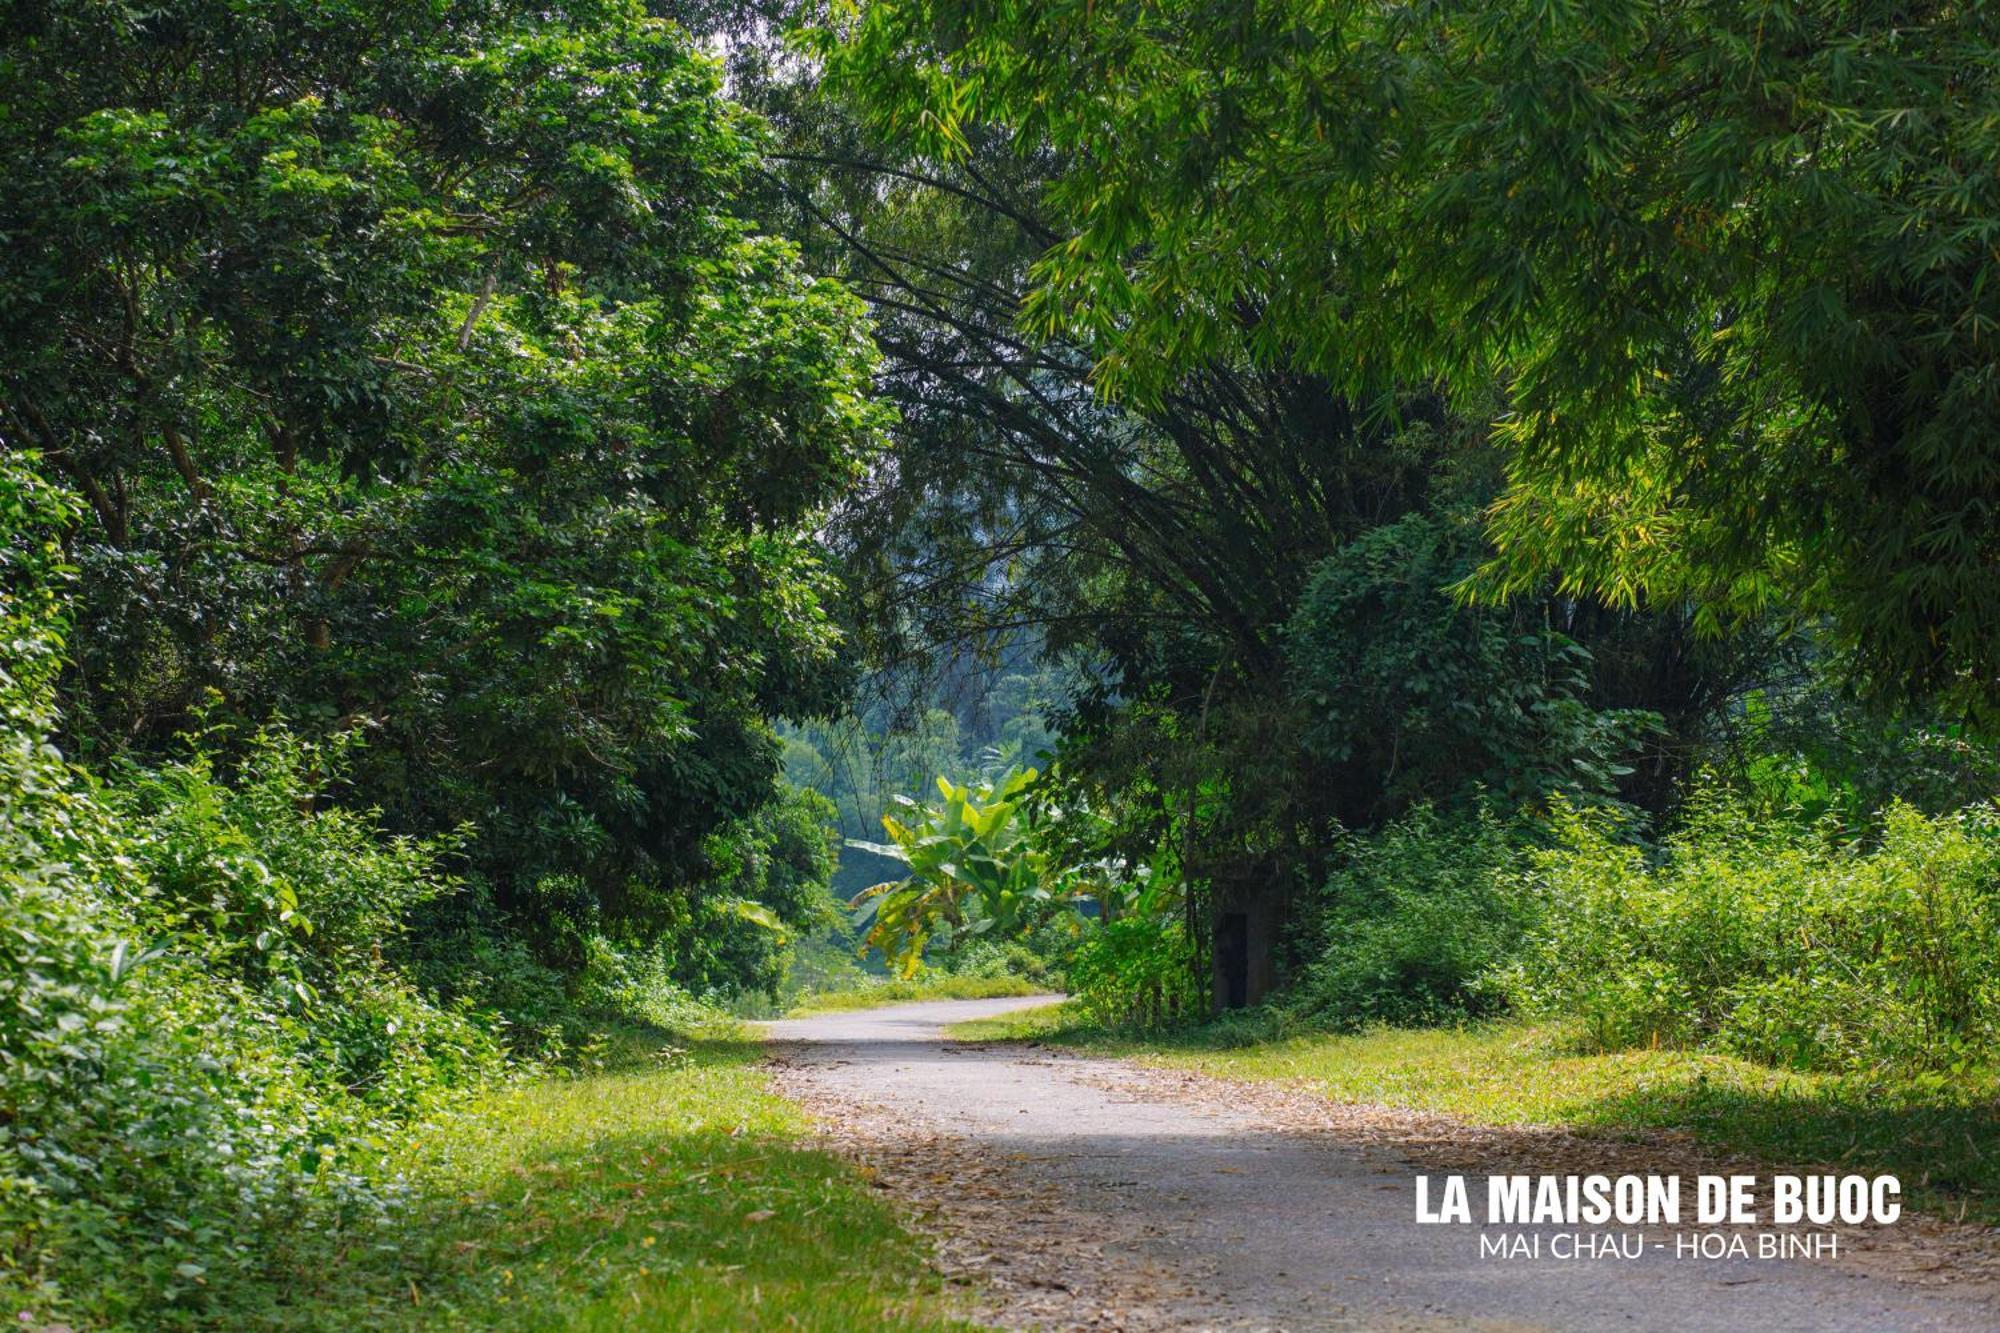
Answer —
1090 1193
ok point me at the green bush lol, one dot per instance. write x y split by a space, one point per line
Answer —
634 985
769 883
304 904
1773 941
206 1044
1138 971
463 953
1036 956
1407 927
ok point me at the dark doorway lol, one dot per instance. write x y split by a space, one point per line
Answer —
1232 958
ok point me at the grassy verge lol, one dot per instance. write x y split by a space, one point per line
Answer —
889 991
668 1190
1939 1134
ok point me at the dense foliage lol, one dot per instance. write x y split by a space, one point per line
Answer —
420 381
1729 261
1410 698
1787 944
1244 577
412 470
1412 924
205 1036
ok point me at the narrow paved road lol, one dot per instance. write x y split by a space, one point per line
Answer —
1268 1227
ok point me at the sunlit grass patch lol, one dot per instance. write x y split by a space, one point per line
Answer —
892 991
667 1191
1055 1021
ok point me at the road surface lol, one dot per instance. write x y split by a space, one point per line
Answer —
1172 1213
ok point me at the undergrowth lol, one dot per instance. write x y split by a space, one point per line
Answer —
664 1187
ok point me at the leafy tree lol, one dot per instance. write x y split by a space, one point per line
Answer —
1729 261
770 886
1163 542
974 868
1407 697
420 381
1804 744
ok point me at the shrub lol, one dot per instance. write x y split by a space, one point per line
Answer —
205 1044
208 1047
1138 971
305 904
1035 957
768 883
634 985
1410 923
464 953
1774 941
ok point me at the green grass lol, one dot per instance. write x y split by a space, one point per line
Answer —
670 1190
1939 1134
890 991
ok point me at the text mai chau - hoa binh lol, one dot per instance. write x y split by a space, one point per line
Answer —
1656 1201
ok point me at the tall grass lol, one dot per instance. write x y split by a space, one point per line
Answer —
1796 946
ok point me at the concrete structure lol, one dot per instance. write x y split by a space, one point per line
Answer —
1246 915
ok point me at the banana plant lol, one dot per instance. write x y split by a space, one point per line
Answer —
973 868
